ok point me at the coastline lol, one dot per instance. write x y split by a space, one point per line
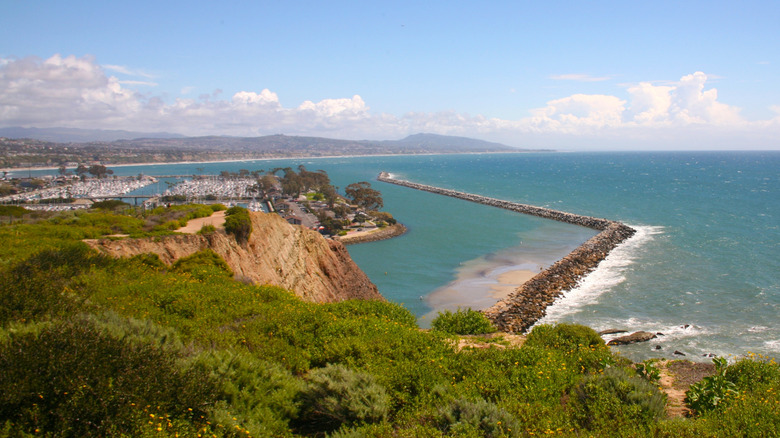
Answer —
372 236
528 303
281 157
457 294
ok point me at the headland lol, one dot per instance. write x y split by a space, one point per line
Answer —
527 304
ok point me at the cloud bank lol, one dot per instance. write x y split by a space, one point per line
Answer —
79 93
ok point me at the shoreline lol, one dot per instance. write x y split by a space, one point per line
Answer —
372 236
302 157
458 294
528 303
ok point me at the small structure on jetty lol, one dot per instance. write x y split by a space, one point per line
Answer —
528 304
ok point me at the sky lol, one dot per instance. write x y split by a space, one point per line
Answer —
571 75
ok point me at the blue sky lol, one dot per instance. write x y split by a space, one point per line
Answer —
570 75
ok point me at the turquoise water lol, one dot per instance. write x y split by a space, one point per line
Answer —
707 253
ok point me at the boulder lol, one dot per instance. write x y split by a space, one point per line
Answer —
611 332
632 338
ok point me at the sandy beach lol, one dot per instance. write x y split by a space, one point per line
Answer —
476 290
508 282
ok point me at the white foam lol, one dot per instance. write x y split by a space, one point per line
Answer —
773 345
758 329
607 275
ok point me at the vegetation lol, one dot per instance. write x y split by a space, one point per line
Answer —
364 196
711 391
462 322
238 223
96 346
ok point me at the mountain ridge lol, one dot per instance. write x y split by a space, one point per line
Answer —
122 138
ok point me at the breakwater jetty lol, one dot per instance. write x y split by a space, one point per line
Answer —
528 304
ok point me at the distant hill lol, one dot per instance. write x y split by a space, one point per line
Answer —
295 145
274 144
435 141
75 135
31 147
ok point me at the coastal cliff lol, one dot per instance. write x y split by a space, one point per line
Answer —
276 253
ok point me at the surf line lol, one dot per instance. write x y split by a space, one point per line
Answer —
528 303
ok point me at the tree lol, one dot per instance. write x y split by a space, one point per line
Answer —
81 170
313 180
364 196
330 194
99 171
291 183
341 210
267 183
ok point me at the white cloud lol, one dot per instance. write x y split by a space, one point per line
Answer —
580 111
127 71
77 92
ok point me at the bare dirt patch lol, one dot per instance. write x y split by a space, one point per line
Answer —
676 378
194 225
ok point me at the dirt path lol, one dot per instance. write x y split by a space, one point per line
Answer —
193 226
676 377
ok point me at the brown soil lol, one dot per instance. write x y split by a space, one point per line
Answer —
194 225
492 340
676 377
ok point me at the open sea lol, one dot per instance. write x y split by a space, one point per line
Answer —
703 269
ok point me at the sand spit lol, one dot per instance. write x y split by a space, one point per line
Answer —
528 303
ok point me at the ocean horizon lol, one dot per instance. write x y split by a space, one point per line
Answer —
703 269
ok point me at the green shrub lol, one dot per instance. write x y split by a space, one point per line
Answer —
573 339
73 379
708 393
202 264
753 371
13 211
615 399
258 396
564 336
149 259
168 226
238 223
337 396
752 411
476 418
36 287
207 229
648 371
462 322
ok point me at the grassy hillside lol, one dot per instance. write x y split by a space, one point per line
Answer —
95 346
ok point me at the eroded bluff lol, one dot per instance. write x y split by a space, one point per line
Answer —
277 253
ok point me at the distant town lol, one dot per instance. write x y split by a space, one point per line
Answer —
300 196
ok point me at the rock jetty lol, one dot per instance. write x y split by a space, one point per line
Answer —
528 304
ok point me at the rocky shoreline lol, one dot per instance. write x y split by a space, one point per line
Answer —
526 305
381 234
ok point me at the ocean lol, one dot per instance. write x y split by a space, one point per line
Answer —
703 269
